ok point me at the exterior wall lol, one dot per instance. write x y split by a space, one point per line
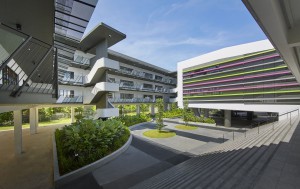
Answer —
237 77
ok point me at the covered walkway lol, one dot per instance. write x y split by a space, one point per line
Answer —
33 168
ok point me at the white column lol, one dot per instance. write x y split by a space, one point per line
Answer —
169 107
227 118
152 109
34 120
72 114
18 131
138 109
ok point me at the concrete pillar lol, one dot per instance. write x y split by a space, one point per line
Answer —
34 120
169 107
227 118
138 109
152 109
18 131
72 114
249 115
196 111
206 112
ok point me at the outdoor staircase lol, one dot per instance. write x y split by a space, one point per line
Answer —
233 164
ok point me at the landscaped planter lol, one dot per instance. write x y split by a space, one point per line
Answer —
190 123
60 180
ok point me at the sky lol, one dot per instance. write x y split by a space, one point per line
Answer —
165 32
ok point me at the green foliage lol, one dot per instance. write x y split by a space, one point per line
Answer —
6 118
144 108
174 106
201 119
45 114
159 118
84 142
173 113
132 120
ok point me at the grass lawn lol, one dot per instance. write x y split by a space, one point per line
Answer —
184 127
41 124
159 134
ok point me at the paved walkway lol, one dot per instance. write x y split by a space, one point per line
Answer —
32 169
189 141
139 162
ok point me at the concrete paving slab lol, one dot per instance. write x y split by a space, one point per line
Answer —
130 161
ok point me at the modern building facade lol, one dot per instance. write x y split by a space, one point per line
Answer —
248 77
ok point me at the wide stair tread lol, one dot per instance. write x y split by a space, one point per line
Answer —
214 168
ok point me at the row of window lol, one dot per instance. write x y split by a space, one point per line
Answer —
145 74
131 84
131 96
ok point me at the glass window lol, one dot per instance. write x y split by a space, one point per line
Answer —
158 78
148 75
127 83
71 94
147 86
126 96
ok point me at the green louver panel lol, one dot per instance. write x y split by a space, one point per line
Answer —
226 61
243 94
236 74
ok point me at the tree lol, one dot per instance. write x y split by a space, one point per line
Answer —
159 117
144 108
187 114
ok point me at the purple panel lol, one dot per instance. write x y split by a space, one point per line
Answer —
231 65
245 88
240 78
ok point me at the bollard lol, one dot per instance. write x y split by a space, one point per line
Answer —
258 130
233 135
223 138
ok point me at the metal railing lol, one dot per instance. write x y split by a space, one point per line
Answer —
30 68
232 135
142 75
68 99
76 80
133 100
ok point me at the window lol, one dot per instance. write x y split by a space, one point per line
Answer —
126 69
69 75
126 96
158 97
148 75
71 95
159 78
147 86
126 83
9 77
148 96
159 88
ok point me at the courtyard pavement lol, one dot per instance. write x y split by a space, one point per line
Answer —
189 141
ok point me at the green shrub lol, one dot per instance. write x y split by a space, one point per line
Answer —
173 113
132 120
84 142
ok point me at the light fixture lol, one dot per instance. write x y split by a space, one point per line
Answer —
19 27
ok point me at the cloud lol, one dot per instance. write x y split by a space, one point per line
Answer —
182 5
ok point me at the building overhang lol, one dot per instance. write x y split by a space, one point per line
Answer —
33 17
97 35
280 21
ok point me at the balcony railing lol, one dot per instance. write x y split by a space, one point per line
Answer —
133 100
76 80
68 99
142 75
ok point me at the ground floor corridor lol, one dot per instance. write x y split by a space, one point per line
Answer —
33 169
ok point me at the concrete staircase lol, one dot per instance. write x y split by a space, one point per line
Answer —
233 164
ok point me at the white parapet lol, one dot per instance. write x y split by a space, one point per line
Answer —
174 90
99 67
172 100
105 86
106 112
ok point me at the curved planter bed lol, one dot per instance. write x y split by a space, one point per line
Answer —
60 180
